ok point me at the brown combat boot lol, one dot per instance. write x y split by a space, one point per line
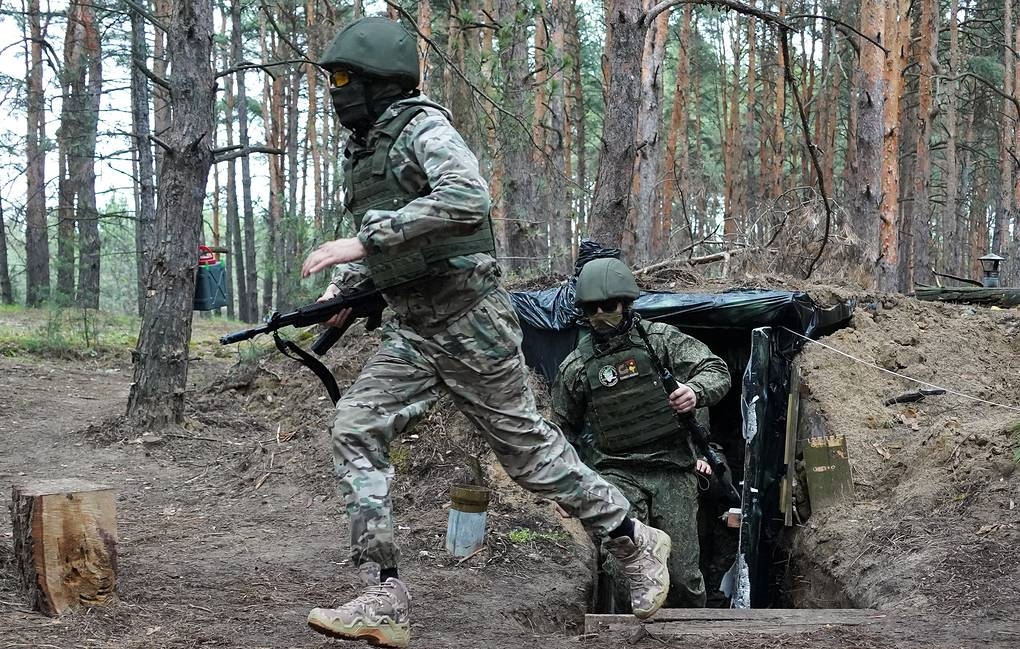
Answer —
379 615
644 562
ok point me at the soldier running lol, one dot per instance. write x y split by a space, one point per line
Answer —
421 212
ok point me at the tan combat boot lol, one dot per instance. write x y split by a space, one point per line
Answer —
379 615
644 562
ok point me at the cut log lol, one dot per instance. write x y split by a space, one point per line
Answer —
65 543
1000 297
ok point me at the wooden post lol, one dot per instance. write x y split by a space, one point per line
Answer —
65 543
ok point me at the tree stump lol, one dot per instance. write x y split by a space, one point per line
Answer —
65 543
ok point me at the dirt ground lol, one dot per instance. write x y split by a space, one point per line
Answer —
231 528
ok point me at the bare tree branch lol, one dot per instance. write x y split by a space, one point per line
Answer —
248 65
145 13
163 145
150 75
234 152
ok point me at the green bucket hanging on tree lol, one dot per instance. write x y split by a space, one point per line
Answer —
210 282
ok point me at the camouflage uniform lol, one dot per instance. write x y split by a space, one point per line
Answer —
657 478
456 332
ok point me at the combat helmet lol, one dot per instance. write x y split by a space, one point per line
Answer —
605 279
378 47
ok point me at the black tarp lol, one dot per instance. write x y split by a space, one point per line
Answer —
551 323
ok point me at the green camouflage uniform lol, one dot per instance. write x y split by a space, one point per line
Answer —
456 332
657 478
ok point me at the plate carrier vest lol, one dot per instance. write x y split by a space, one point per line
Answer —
373 185
627 407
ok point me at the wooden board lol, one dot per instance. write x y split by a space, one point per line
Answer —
710 621
65 543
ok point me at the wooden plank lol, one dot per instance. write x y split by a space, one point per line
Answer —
65 543
706 621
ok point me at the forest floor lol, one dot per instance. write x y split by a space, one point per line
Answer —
230 526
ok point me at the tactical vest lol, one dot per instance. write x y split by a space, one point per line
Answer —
628 406
373 185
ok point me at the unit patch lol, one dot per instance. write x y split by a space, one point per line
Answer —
608 376
627 369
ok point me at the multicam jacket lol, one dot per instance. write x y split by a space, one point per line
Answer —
429 151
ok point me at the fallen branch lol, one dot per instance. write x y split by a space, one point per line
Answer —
913 395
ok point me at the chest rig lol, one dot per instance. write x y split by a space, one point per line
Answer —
627 407
372 184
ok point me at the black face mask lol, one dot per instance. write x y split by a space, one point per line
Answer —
352 106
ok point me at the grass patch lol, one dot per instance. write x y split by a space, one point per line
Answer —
523 535
68 332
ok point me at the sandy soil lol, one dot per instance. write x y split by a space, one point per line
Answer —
231 527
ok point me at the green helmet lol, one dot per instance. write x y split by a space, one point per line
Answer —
376 46
604 279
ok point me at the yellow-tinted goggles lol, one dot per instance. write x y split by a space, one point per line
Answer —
339 78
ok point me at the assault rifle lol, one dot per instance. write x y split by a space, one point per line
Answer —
698 433
365 301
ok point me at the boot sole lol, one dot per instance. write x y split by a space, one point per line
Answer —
661 550
374 637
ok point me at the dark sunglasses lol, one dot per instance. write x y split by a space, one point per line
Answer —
605 306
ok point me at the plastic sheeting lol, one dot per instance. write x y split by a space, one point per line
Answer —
551 323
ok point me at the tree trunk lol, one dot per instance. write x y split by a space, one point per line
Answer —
6 290
732 183
1000 231
272 118
921 235
949 227
88 212
748 140
425 25
37 247
251 299
556 142
871 94
644 208
161 358
526 227
676 172
775 185
626 28
311 126
897 32
145 206
578 118
160 98
72 112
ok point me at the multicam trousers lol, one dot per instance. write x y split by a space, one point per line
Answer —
666 499
477 359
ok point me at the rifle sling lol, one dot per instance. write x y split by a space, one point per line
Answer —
290 350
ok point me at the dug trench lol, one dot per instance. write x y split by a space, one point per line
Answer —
231 527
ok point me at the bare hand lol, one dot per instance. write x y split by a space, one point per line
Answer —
702 467
683 399
332 253
342 315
